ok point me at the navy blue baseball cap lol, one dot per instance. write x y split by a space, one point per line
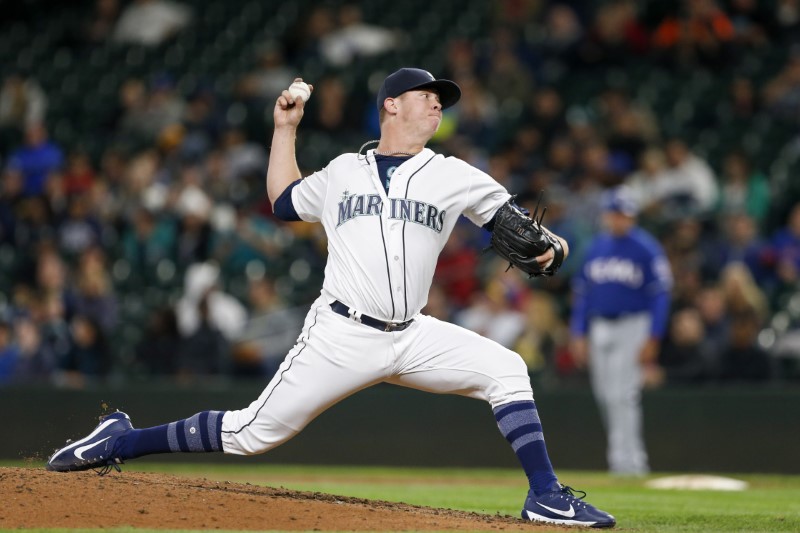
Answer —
621 200
409 79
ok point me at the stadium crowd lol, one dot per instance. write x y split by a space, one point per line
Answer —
155 253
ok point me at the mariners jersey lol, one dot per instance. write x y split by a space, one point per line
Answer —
383 248
620 276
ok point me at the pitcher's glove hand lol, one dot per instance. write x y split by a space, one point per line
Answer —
520 239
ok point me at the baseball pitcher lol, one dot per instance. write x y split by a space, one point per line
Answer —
387 213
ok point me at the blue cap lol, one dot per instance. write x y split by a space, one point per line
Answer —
408 79
620 200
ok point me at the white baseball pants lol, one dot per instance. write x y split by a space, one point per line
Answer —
336 357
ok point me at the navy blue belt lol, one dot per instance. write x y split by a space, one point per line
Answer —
341 309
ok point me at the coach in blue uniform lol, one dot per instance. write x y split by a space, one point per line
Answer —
621 298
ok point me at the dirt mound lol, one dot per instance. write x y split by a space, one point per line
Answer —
33 497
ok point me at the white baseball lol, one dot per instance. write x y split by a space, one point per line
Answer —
301 89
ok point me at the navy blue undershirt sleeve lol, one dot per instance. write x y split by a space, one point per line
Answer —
284 208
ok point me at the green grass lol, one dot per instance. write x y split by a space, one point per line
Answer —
772 503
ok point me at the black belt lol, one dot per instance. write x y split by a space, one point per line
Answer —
341 309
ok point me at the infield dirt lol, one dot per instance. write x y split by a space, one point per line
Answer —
34 497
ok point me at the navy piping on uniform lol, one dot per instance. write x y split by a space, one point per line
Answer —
405 284
365 164
279 379
386 257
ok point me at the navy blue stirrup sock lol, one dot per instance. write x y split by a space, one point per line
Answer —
520 425
199 433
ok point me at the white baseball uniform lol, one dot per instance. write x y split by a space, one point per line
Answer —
382 252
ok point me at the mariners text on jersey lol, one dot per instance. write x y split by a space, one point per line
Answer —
404 209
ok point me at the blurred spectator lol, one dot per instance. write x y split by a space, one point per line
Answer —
94 296
151 22
596 167
713 309
9 353
438 305
645 182
507 79
148 240
460 60
308 36
34 223
37 159
208 321
741 242
128 119
251 237
615 34
243 157
79 175
50 315
524 156
220 310
685 247
703 34
744 189
782 93
202 125
22 104
159 350
688 187
562 36
743 360
11 189
89 357
787 13
36 361
194 234
626 127
491 314
476 114
455 271
786 243
562 160
682 356
80 229
51 279
165 107
545 112
543 334
271 331
752 23
98 27
270 77
331 110
354 38
743 103
742 296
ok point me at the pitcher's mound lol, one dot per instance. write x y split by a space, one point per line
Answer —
34 497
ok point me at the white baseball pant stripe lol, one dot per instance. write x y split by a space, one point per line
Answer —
336 357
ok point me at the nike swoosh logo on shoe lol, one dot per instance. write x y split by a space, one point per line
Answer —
567 514
97 430
79 451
